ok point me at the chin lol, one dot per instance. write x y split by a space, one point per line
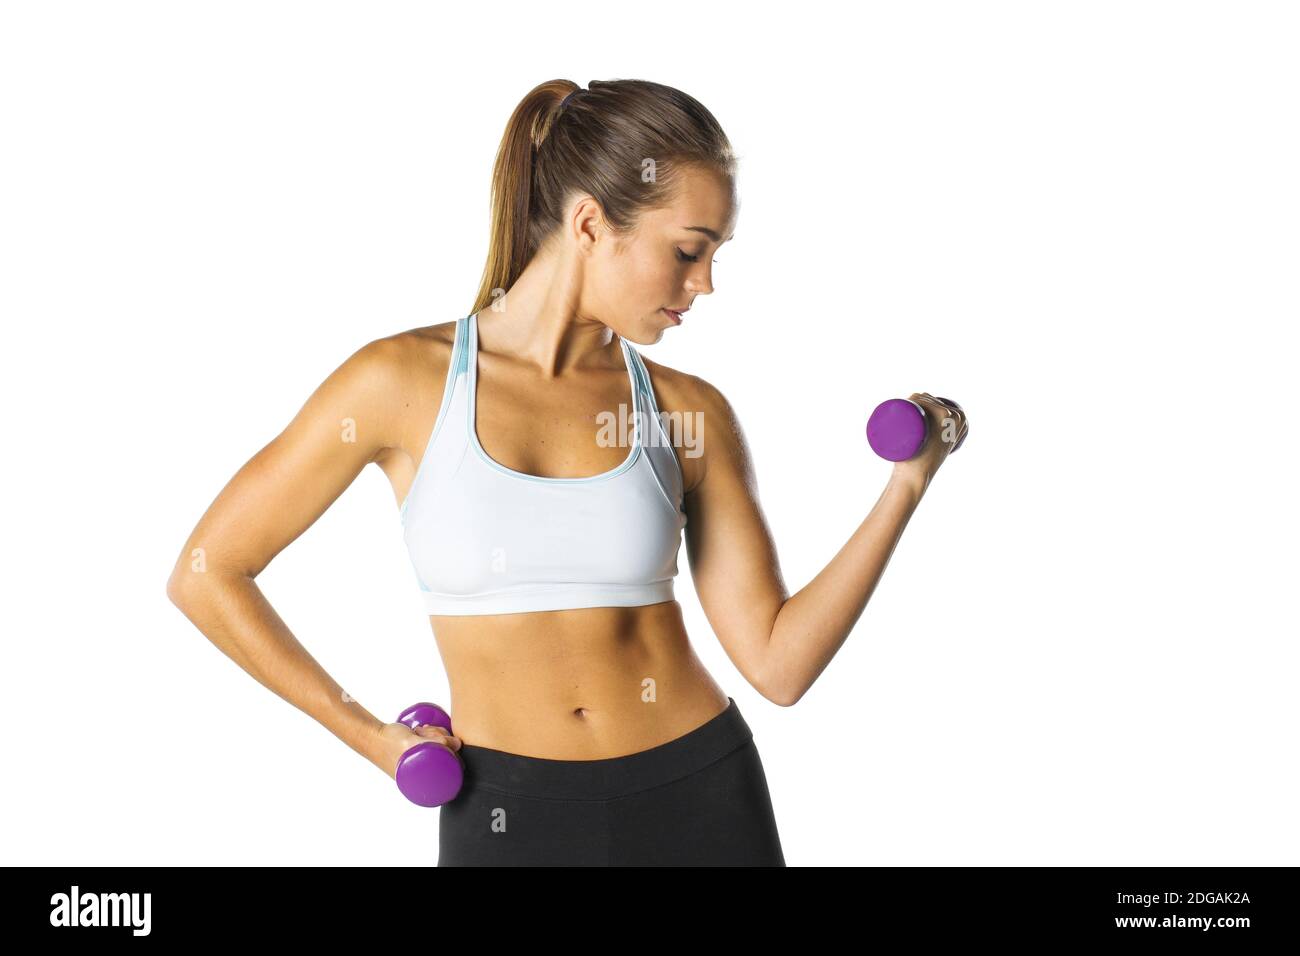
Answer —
639 335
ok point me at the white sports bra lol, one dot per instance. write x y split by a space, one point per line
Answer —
486 539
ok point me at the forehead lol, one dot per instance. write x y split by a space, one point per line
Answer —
704 198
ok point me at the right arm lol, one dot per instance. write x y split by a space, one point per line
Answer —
346 423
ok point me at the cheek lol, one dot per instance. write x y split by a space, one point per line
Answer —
635 279
651 277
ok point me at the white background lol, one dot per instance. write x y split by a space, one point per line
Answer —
1078 220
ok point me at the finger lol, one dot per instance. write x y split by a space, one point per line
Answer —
944 405
947 404
942 402
956 418
941 410
442 735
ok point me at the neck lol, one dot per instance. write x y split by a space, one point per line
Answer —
540 323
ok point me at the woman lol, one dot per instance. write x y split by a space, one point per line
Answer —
545 541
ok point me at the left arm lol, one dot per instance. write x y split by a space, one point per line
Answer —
781 644
813 624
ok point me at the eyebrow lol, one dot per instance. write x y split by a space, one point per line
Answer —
708 232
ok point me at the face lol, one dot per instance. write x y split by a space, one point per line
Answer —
665 263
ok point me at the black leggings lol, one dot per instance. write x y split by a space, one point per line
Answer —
698 800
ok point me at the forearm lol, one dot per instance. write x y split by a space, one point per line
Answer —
813 623
233 613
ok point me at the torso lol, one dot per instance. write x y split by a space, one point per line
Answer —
576 684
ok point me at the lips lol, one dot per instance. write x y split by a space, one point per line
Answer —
674 315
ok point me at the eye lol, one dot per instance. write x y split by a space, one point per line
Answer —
685 258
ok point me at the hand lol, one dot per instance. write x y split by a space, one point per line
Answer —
396 739
945 428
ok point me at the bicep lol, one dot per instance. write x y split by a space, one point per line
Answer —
732 555
289 483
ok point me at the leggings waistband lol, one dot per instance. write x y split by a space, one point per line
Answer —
610 777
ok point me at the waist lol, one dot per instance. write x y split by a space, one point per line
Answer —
575 684
609 777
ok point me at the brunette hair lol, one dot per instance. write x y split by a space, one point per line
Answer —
624 142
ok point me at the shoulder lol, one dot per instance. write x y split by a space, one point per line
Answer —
401 360
682 391
441 336
411 346
381 379
713 423
674 388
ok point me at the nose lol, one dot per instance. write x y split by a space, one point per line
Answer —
702 285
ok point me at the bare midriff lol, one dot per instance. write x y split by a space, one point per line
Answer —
577 684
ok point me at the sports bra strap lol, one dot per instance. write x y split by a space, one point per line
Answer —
643 380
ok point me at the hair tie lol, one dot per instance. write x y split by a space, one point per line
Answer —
565 102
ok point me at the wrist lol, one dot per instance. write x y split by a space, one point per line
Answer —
354 725
911 481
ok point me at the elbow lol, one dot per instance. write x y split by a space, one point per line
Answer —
180 588
189 589
780 693
174 590
776 684
786 699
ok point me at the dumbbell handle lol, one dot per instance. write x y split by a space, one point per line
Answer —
898 428
428 774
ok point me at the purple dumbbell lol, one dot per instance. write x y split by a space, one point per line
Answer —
897 428
429 773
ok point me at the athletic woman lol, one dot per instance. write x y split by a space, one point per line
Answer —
544 474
